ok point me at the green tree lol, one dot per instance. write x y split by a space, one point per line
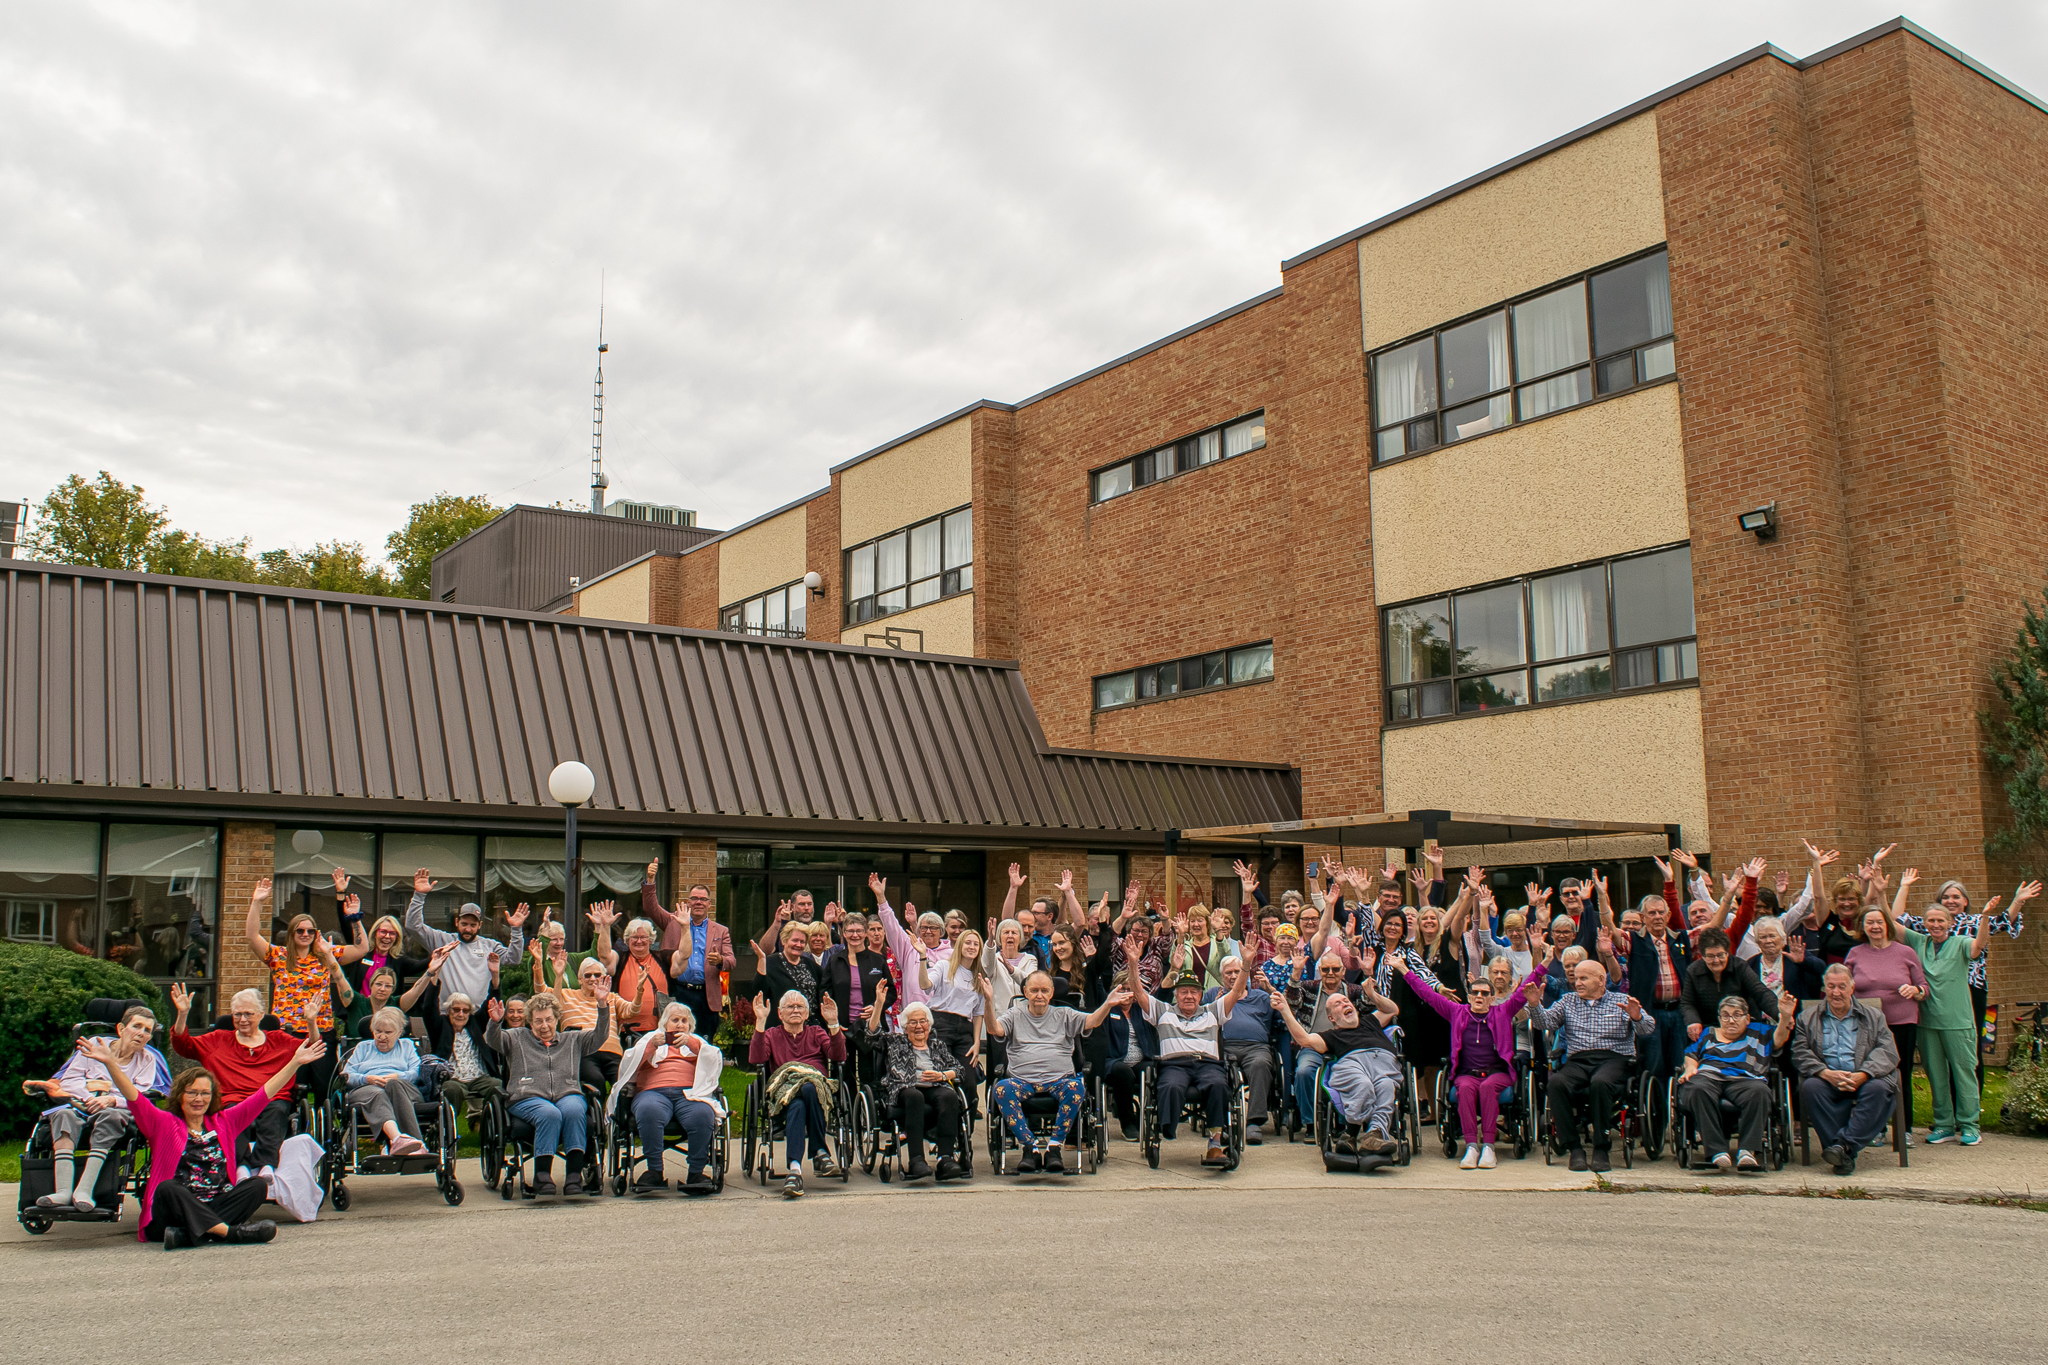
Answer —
105 523
2016 742
184 555
433 526
338 566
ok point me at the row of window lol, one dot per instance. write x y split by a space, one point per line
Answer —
1585 631
778 612
145 897
1602 333
1200 672
1177 457
909 568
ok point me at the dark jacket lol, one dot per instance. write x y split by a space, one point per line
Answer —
1701 994
902 1065
778 981
1642 965
874 971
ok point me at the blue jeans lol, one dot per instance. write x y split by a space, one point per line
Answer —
1308 1063
804 1113
652 1111
556 1123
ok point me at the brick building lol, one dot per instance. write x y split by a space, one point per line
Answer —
1449 518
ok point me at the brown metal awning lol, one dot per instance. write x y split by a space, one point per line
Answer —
1414 828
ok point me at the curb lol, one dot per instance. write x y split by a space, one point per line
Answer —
2027 1199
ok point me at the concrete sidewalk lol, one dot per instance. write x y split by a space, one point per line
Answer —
2001 1167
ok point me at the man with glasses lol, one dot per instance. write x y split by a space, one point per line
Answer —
467 970
695 947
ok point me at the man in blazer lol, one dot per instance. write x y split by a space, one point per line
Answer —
1850 1065
695 948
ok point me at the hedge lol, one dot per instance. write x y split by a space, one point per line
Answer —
42 994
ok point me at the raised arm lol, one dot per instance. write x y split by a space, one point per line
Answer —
257 929
601 916
1982 942
650 904
1010 896
1301 1036
1070 901
431 975
1115 1000
416 913
311 1050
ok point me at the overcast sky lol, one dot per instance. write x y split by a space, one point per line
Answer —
294 268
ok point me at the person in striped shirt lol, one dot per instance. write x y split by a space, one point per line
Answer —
1728 1062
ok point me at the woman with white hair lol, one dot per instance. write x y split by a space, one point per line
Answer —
801 1055
674 1074
577 1008
545 1087
637 975
928 949
383 1075
918 1081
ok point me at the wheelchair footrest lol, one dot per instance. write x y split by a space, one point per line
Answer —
419 1163
1362 1165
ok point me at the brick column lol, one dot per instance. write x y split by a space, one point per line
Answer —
825 615
692 861
248 853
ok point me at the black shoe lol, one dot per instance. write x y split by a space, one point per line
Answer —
543 1184
699 1184
176 1239
650 1180
1030 1162
1847 1166
1600 1160
793 1188
1578 1160
573 1185
919 1170
822 1167
1834 1155
1131 1132
950 1169
1056 1163
251 1234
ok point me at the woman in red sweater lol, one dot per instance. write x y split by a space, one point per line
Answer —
802 1055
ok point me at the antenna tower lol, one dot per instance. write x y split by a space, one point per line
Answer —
598 481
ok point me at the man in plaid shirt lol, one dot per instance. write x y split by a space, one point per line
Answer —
1600 1027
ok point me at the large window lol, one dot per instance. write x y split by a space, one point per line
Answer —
450 859
778 612
1602 333
50 883
908 568
1586 631
1198 673
1178 457
303 881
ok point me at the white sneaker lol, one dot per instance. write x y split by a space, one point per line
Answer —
1471 1158
1723 1162
1486 1161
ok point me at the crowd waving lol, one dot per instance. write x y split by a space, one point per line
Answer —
1377 1002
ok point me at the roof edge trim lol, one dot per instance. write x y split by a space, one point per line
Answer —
925 430
1164 341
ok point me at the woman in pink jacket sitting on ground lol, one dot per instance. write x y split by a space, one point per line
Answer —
192 1196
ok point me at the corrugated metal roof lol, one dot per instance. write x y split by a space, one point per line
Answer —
112 680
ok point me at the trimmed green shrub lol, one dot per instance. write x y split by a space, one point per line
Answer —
42 994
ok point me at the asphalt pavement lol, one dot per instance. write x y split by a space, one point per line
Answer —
1131 1264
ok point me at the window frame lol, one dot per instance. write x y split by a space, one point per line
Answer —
1199 661
957 581
1596 361
1530 665
1191 440
732 616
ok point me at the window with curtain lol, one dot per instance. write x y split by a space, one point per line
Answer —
1527 359
1587 631
778 612
163 898
1199 451
1237 667
920 564
303 878
450 859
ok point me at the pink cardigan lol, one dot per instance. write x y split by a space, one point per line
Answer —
167 1135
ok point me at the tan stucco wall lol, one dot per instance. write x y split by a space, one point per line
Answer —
765 556
1600 198
948 626
932 474
1627 758
623 596
1604 480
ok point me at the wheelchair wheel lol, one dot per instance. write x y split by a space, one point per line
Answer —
1101 1126
340 1197
452 1192
1148 1118
750 1141
1240 1121
848 1153
1446 1114
870 1134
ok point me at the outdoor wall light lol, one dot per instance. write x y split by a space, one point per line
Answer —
815 581
1763 521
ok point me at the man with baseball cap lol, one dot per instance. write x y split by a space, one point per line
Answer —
467 970
1190 1057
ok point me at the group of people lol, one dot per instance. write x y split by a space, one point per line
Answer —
1338 991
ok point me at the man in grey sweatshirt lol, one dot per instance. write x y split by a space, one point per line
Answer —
467 970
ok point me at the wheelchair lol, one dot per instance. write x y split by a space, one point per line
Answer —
1629 1123
885 1147
1090 1133
626 1154
1330 1128
126 1168
763 1132
1150 1132
1777 1152
353 1145
513 1137
1517 1105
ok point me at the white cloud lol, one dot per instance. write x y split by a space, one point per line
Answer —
294 269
